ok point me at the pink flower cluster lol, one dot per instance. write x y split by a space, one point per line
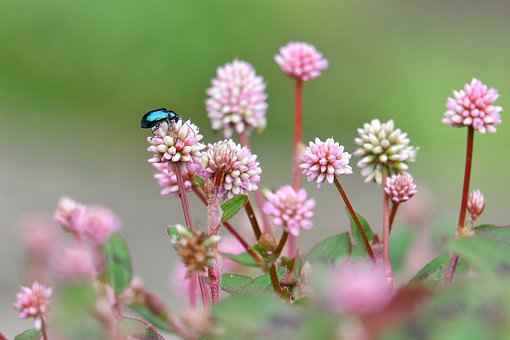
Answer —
400 187
237 99
301 61
322 161
290 209
167 179
32 302
474 106
93 223
360 288
237 168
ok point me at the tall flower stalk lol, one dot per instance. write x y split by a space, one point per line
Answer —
472 107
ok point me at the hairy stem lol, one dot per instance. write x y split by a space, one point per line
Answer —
183 197
452 266
298 133
253 219
355 218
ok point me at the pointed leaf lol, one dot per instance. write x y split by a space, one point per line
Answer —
486 254
29 334
244 258
356 233
331 249
158 321
232 206
433 270
118 270
233 283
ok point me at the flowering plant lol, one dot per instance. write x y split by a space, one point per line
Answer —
351 285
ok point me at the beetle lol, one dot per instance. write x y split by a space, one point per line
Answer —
153 118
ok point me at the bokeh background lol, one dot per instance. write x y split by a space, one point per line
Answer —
76 76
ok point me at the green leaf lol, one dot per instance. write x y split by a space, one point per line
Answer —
432 271
331 249
400 243
172 232
357 235
118 270
29 334
198 181
317 325
234 283
158 321
486 254
232 206
244 258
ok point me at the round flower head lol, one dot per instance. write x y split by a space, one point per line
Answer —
473 106
301 61
360 288
476 204
67 213
196 249
324 160
234 167
237 99
290 209
382 148
167 178
178 142
98 223
400 187
32 302
75 263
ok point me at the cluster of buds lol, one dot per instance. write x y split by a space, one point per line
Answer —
476 205
400 188
33 302
196 249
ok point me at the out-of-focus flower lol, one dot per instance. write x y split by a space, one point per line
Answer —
178 142
230 245
167 178
322 161
359 288
196 249
474 106
382 148
233 168
400 187
33 302
179 279
476 204
301 61
67 213
75 263
290 209
237 99
97 224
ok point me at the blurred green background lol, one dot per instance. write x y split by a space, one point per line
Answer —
75 77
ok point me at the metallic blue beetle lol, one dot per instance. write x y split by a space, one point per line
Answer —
152 119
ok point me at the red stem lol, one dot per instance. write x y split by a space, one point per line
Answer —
298 133
183 197
281 244
452 266
43 328
355 218
203 289
192 289
393 213
253 219
386 234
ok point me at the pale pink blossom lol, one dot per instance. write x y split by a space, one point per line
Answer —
400 187
290 209
476 204
233 166
360 288
167 179
33 302
178 142
474 106
75 263
322 161
237 99
67 213
97 224
301 61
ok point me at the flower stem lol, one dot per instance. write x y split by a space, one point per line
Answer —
253 219
386 234
281 244
275 282
355 218
244 139
452 266
393 213
298 133
183 197
203 290
43 329
192 290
